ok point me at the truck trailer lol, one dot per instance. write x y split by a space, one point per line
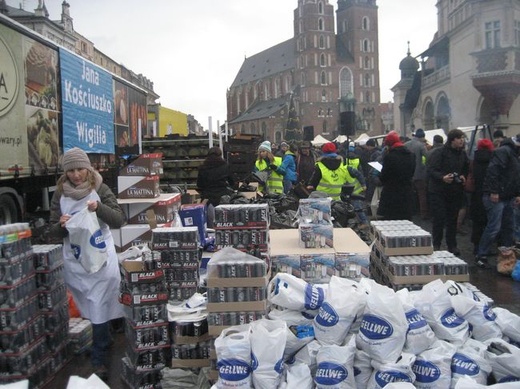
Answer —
52 100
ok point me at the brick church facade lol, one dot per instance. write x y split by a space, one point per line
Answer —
318 82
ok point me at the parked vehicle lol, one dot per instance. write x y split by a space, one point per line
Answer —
50 101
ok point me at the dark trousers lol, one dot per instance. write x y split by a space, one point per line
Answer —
444 208
420 189
101 341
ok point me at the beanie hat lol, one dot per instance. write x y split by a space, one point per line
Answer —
284 144
371 142
75 158
328 148
419 133
265 145
392 138
485 144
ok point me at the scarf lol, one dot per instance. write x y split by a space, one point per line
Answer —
83 189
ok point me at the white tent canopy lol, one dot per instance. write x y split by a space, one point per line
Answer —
319 141
428 135
341 139
362 137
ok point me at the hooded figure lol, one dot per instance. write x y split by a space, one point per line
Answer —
396 176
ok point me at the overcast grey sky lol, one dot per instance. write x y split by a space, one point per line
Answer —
192 50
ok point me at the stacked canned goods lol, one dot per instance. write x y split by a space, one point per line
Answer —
34 312
179 253
145 295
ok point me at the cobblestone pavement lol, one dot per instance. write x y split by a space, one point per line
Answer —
504 291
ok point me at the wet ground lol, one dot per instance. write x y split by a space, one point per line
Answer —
503 290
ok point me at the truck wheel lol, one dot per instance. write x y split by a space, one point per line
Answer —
8 210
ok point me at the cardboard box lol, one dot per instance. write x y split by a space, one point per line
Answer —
215 282
417 250
131 235
246 216
175 238
194 215
164 208
134 273
316 235
244 306
144 165
138 187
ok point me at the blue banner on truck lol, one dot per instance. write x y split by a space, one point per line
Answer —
87 105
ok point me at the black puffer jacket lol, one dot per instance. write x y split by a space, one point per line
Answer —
503 172
214 180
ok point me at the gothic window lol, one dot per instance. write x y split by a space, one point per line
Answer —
492 33
329 112
365 24
264 129
367 80
322 42
320 24
320 8
320 112
345 82
322 60
366 46
323 95
367 97
303 79
324 126
367 63
323 78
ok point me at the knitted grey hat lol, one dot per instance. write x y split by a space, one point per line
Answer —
75 158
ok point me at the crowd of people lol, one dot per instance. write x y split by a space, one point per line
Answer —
404 177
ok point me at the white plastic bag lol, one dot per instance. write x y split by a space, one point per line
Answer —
470 360
432 367
290 292
298 376
335 366
503 358
87 240
234 358
387 373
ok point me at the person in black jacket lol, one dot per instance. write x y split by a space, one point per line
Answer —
447 168
501 193
478 168
396 176
214 180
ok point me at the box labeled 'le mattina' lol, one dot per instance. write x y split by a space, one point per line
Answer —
144 165
138 187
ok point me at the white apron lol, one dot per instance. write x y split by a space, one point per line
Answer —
96 295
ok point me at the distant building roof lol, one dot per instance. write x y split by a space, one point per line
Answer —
263 109
274 60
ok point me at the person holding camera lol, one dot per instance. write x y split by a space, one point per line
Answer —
267 162
447 168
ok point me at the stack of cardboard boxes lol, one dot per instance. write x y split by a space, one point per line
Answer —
403 257
34 314
317 250
144 294
140 198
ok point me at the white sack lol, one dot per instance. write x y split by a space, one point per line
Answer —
382 333
504 359
420 335
470 360
267 347
432 367
288 291
234 358
509 323
299 330
476 312
345 301
298 376
362 368
307 356
335 367
469 383
387 373
433 302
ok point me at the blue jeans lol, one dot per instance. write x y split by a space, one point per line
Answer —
517 223
101 341
499 220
